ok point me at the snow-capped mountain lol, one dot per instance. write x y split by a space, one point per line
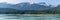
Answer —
26 6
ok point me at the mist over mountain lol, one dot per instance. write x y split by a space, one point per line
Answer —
26 6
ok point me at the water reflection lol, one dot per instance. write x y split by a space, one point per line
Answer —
23 17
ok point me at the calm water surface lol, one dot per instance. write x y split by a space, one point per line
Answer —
22 17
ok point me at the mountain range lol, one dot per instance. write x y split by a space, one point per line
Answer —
26 6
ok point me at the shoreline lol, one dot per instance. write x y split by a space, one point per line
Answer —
31 14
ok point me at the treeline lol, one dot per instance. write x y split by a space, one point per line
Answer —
55 10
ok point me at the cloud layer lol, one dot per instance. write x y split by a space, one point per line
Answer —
14 1
53 2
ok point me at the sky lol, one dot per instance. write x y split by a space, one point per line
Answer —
53 2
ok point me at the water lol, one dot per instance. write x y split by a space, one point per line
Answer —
25 17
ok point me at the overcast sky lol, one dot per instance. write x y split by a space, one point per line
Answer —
53 2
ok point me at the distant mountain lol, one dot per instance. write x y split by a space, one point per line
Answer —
35 6
5 5
26 6
55 10
10 11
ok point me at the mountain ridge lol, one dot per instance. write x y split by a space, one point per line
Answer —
25 6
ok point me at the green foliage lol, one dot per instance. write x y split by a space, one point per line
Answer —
55 10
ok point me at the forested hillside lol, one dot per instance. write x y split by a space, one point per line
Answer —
55 10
